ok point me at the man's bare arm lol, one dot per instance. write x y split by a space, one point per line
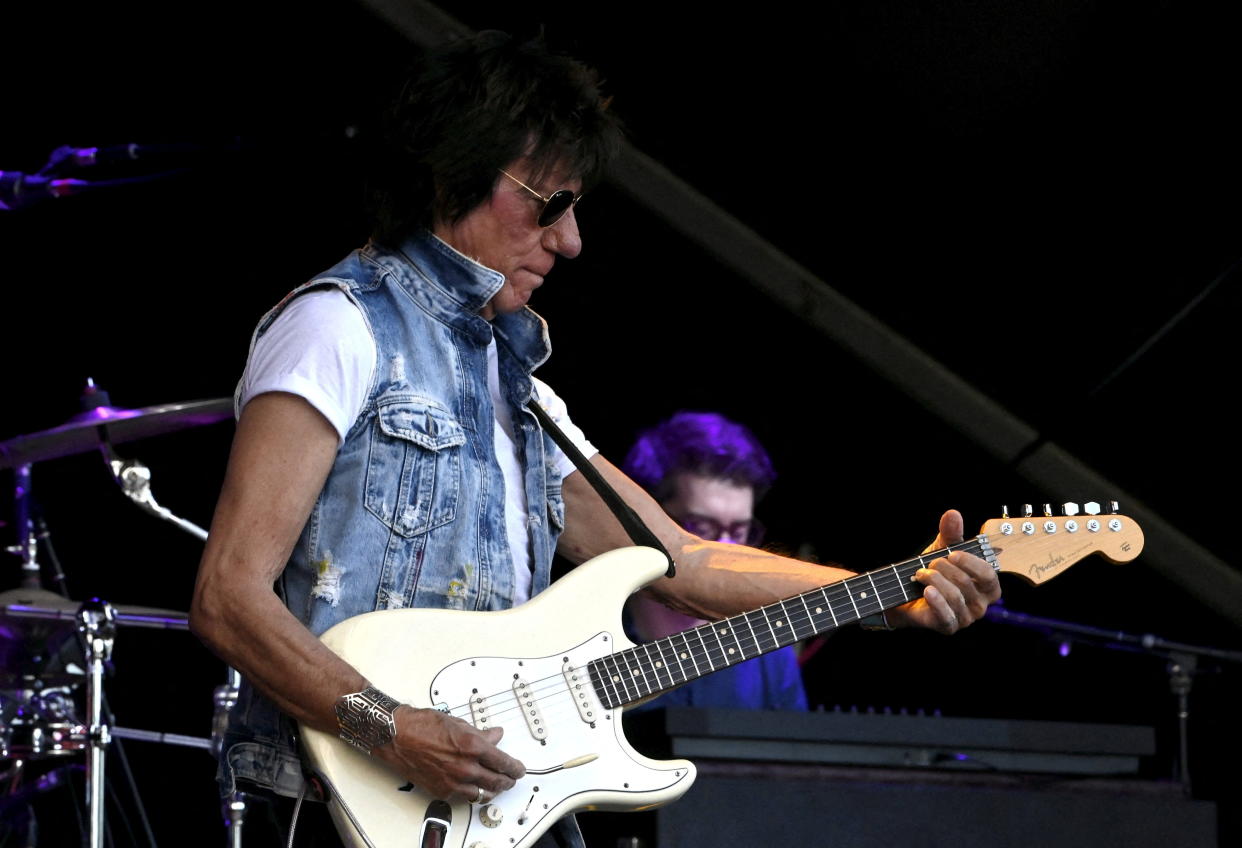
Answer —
715 579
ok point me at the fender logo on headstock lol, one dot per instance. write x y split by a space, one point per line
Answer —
1041 550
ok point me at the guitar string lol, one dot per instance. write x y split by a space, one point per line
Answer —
835 594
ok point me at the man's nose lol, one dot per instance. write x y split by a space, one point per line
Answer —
563 238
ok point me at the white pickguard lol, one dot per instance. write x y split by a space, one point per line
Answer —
469 663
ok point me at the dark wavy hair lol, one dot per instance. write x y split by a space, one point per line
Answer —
704 443
473 107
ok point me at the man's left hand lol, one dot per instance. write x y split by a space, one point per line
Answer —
957 588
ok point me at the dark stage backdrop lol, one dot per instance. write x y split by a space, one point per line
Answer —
1029 194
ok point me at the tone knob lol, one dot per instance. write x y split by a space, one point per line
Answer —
491 815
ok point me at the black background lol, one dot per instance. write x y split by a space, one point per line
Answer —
1030 192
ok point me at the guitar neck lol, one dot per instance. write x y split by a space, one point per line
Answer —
654 667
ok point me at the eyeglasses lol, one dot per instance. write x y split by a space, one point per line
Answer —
554 207
748 532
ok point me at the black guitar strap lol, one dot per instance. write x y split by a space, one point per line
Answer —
639 533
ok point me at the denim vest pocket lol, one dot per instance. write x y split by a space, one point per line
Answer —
414 465
556 509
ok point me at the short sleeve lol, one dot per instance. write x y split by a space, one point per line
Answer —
320 349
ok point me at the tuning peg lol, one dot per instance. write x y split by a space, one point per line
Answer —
1027 511
1113 508
1047 510
1004 510
1069 508
1091 508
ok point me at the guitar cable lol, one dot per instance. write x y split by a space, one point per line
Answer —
293 820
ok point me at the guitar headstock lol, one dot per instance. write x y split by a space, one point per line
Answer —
1041 547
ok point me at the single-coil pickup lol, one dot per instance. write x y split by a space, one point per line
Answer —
479 711
529 705
581 691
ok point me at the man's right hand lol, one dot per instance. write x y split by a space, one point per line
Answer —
447 758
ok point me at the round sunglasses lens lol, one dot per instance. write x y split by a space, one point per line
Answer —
557 205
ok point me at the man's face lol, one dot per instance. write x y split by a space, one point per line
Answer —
712 508
503 234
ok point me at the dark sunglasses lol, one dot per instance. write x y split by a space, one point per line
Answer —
554 207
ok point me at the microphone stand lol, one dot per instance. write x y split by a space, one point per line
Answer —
1182 660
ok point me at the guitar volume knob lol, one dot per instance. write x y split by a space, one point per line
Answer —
491 815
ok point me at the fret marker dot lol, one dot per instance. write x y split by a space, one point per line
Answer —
780 624
731 651
818 610
659 664
634 672
616 678
862 594
723 631
684 655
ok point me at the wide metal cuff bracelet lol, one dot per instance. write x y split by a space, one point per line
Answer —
366 718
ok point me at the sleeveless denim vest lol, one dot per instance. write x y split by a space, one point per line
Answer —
412 513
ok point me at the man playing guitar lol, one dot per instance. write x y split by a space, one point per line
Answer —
385 458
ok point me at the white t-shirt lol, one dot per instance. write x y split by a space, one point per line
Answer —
319 348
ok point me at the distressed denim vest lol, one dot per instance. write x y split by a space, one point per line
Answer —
412 513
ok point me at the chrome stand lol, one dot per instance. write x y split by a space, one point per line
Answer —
134 478
234 806
97 626
27 546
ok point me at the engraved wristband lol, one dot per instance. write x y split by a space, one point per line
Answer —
366 719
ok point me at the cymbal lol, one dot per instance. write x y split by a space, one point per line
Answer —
19 606
36 653
84 432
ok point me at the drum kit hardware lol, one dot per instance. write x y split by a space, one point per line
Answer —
55 651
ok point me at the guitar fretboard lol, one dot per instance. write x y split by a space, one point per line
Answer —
654 667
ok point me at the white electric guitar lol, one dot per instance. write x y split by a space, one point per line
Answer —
557 671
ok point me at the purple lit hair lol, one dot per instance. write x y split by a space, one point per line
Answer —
704 443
